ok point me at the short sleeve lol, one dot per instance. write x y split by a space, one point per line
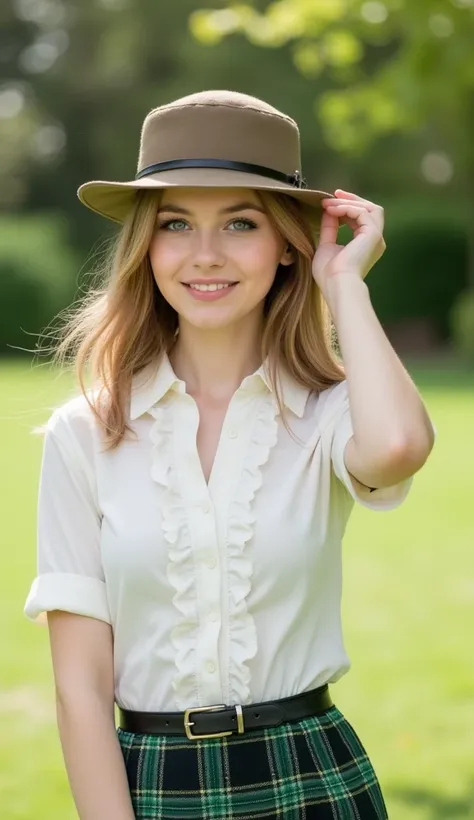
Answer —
340 430
70 575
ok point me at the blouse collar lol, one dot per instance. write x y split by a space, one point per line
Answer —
155 380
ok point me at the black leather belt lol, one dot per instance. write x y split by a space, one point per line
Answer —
220 721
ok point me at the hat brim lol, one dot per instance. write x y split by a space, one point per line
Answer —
115 199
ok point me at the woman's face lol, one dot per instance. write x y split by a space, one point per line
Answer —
215 254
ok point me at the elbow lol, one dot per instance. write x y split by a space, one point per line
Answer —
387 463
408 455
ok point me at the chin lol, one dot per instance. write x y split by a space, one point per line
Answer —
210 316
209 322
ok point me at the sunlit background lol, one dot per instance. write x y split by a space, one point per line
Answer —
384 96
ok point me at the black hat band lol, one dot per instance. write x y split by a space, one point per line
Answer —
291 179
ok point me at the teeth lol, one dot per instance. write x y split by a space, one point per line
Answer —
209 287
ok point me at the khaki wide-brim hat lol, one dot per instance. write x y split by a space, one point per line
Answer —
213 139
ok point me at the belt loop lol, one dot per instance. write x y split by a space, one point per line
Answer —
240 719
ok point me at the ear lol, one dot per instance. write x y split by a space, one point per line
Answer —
288 256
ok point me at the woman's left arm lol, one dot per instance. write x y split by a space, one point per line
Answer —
393 435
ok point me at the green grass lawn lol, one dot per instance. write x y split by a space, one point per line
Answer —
408 615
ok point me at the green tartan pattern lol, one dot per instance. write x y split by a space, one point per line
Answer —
312 769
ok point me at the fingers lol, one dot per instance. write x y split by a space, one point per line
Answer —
371 206
347 196
328 229
356 210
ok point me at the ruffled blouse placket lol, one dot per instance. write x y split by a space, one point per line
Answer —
207 528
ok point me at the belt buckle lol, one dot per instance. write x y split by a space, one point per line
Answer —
188 723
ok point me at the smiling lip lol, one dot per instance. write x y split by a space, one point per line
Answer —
210 282
209 295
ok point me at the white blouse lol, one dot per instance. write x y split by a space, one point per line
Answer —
227 592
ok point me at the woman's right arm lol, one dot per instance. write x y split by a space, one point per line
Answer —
82 654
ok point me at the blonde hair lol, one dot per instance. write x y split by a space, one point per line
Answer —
125 324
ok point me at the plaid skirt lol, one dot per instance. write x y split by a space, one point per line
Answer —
312 769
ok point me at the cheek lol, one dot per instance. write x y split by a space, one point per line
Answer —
256 259
165 261
261 272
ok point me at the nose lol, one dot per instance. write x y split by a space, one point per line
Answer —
207 251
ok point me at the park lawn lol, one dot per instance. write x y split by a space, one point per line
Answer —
407 612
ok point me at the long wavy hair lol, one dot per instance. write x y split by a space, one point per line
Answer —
125 323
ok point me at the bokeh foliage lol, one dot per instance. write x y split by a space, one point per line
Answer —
392 63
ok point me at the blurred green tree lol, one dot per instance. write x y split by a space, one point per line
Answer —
391 65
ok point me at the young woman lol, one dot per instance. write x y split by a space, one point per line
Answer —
191 572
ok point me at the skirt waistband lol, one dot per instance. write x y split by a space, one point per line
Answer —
221 720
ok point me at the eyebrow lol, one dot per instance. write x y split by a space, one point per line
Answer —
240 206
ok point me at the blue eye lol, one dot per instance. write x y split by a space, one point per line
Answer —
247 223
169 222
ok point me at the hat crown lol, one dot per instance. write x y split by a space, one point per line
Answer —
211 139
222 125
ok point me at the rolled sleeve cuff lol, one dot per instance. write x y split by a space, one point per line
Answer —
383 498
67 592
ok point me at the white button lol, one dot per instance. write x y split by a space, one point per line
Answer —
233 433
213 616
211 563
206 507
210 666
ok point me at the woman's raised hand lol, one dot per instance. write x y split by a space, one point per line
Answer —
366 220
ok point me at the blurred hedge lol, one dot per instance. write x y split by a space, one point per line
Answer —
462 325
37 277
424 267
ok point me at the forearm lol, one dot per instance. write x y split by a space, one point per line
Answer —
94 760
387 412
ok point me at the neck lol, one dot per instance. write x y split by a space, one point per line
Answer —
213 363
